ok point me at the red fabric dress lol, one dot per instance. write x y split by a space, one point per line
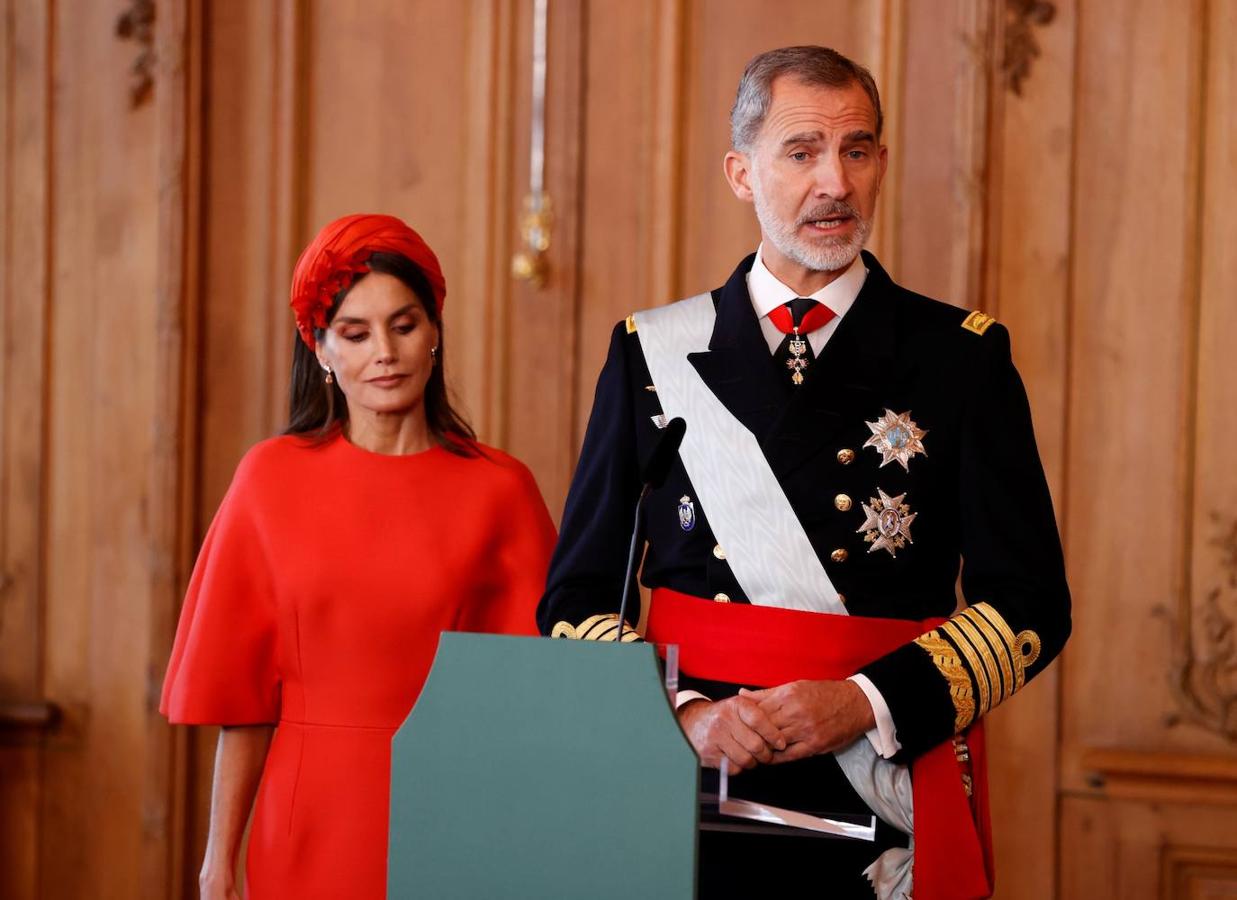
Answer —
316 603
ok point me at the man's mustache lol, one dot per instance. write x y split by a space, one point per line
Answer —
825 210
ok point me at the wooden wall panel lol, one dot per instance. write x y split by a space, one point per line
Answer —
1207 611
23 314
480 307
101 391
941 220
626 195
1136 851
171 484
24 199
1132 369
245 343
386 84
1028 258
885 56
1199 873
1151 531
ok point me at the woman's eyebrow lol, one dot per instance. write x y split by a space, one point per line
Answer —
353 320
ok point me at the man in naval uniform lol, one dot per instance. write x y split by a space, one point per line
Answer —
849 446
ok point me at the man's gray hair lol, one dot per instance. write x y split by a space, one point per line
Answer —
811 65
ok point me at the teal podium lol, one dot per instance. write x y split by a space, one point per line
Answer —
538 768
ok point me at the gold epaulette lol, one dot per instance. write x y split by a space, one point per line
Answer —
631 324
981 659
977 322
596 628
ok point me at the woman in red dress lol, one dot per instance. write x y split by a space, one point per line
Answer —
343 548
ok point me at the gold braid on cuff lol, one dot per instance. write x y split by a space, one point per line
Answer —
1023 648
596 628
949 664
996 658
978 671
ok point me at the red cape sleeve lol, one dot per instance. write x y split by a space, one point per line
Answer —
223 668
508 602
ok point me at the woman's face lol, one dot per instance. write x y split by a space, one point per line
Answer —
378 347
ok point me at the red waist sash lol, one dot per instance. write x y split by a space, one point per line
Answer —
767 646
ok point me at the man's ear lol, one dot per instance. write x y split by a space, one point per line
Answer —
738 168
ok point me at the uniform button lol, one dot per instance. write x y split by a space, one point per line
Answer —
721 598
839 555
842 599
718 552
846 456
842 502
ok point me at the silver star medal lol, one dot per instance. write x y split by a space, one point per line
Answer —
888 523
896 437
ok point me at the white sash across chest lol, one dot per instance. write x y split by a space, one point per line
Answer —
765 543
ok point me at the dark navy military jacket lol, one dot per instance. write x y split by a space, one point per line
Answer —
977 491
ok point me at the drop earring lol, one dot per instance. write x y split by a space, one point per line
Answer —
330 376
434 356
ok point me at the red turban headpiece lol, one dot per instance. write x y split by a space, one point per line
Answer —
338 254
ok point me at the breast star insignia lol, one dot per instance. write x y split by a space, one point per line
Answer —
888 523
896 436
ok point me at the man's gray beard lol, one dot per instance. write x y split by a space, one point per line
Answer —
829 254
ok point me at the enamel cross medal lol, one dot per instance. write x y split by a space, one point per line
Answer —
797 363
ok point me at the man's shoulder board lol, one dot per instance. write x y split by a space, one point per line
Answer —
977 322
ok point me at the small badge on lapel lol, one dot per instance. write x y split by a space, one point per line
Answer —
687 513
888 523
896 436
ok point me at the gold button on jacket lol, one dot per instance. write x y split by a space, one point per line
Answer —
842 502
721 598
839 555
846 457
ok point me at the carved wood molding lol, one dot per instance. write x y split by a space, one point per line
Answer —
1162 777
31 716
1204 666
137 23
1190 871
1021 47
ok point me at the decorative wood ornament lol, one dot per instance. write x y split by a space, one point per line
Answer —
1205 656
137 23
1021 47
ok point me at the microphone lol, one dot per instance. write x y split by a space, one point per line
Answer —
662 457
653 476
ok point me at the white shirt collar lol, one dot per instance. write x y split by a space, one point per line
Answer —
767 292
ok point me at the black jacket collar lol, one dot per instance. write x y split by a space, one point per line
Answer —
794 424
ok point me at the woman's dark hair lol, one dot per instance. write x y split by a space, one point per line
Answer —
316 409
